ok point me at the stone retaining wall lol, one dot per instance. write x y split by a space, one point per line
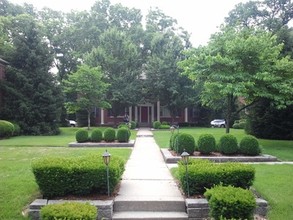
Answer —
105 208
169 158
198 209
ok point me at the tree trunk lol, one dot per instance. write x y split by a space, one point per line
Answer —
88 120
229 112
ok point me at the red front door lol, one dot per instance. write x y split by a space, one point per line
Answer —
144 114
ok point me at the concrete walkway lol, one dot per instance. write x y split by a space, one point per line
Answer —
148 180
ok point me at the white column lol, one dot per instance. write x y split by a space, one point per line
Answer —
130 113
102 116
186 115
158 111
135 114
153 112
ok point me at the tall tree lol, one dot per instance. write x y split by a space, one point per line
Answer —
89 89
242 63
164 46
119 59
32 96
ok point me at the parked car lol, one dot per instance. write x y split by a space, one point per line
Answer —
219 123
72 123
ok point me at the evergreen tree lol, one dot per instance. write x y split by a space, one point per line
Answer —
32 96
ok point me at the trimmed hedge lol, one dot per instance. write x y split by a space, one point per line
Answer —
206 143
58 176
203 174
82 136
109 135
6 129
156 124
173 141
230 203
164 126
228 144
133 124
96 135
69 211
123 134
249 146
185 142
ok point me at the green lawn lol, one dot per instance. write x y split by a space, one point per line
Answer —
67 135
283 150
18 187
273 182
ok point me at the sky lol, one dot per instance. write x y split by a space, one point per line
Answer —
200 18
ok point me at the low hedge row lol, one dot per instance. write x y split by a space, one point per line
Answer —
203 174
69 211
58 176
206 144
230 203
109 135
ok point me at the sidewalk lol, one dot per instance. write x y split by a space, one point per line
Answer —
148 190
146 174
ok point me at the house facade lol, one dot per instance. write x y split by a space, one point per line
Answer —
3 65
145 114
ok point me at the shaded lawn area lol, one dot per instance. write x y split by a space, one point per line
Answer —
66 136
18 187
282 149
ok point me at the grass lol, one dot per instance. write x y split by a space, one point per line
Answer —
18 188
67 135
282 149
273 182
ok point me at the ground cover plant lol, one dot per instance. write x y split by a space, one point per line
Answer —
18 186
282 149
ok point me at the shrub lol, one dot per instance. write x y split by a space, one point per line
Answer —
249 146
16 129
97 135
6 128
165 123
206 143
203 174
228 144
156 124
122 125
133 124
164 126
123 134
185 142
58 176
230 203
109 135
172 141
81 135
239 124
69 211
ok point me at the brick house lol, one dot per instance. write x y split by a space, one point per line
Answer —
145 114
3 65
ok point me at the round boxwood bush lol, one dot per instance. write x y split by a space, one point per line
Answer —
156 124
123 134
97 135
81 135
228 144
249 146
206 143
172 141
185 142
109 135
133 125
6 128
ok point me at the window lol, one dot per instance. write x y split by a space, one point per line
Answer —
165 112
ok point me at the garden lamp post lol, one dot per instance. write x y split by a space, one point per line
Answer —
185 158
106 158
